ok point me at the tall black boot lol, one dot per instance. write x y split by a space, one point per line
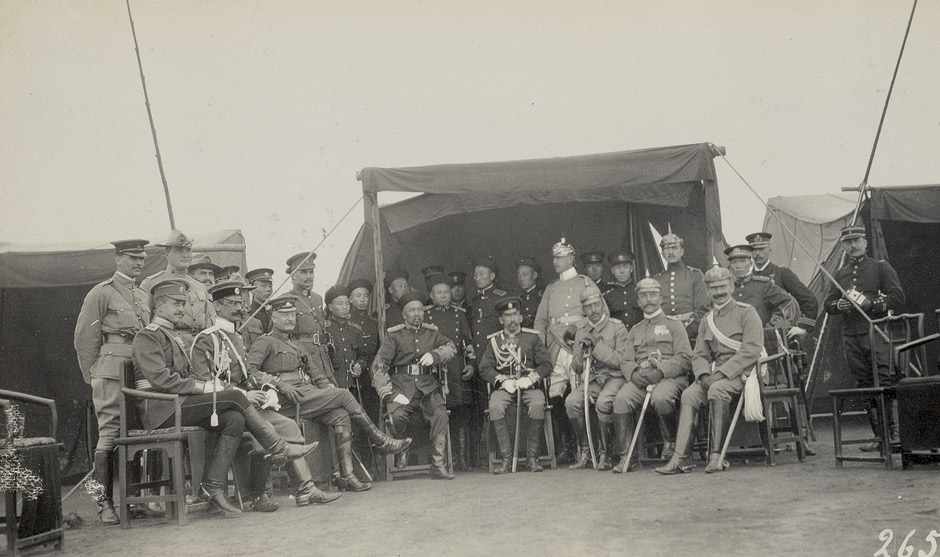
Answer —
532 445
384 443
438 460
719 411
874 420
347 478
667 429
213 487
505 446
624 426
605 456
584 458
307 491
103 476
679 463
567 444
278 450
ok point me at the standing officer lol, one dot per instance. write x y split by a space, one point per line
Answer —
219 353
605 340
310 330
528 275
515 359
262 279
784 278
396 285
458 288
112 313
199 313
402 373
620 293
684 294
875 288
484 320
428 273
204 270
451 320
360 299
730 342
776 308
657 353
276 360
593 262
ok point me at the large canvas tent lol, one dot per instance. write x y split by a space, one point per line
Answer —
903 226
519 208
41 292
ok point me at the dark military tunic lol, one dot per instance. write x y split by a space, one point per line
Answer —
200 313
684 295
252 331
348 349
370 331
484 319
621 299
263 315
879 282
310 334
451 321
787 279
767 298
393 314
530 299
532 351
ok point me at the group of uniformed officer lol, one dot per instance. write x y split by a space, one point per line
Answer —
685 338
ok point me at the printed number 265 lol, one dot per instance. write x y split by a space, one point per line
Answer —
906 550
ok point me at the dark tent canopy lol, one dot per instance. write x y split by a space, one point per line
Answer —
520 208
41 292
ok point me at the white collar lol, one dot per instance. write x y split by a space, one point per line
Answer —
761 268
123 276
717 308
225 325
652 315
569 274
165 323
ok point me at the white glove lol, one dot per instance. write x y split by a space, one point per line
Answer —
509 386
795 332
427 359
524 383
356 369
213 386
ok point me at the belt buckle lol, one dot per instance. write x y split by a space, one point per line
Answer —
414 370
316 338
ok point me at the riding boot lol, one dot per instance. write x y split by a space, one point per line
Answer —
383 442
216 475
584 458
347 478
462 448
679 462
259 500
566 445
667 428
103 476
624 426
438 459
533 444
874 420
279 451
505 446
719 411
605 456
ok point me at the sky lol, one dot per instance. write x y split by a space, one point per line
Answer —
266 110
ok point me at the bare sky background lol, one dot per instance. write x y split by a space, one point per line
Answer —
265 110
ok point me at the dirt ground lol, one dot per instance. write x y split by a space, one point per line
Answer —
750 510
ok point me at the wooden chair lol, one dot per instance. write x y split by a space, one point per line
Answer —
392 470
40 520
548 458
918 411
900 330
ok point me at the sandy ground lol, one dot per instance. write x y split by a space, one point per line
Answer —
750 510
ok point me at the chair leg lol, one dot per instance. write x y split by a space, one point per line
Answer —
12 523
796 426
123 515
179 489
837 430
550 440
490 452
885 431
770 443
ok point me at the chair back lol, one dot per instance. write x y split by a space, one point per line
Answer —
900 330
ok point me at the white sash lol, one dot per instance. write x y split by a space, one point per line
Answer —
753 407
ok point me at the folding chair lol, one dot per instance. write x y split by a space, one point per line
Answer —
900 330
40 521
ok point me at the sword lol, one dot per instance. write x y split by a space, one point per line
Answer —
214 419
585 381
515 440
639 426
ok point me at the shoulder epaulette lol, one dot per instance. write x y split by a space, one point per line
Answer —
761 278
395 328
430 326
429 307
674 318
458 308
499 292
614 320
533 331
152 327
743 304
108 281
693 269
491 335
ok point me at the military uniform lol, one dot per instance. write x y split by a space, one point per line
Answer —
608 338
483 317
530 299
767 298
459 279
396 371
111 314
199 311
310 335
684 295
451 321
512 357
621 299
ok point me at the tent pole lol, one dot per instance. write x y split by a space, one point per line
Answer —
630 228
370 204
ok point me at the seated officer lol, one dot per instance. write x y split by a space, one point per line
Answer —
402 372
657 353
515 360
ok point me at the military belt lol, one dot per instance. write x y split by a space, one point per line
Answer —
566 319
300 376
319 339
412 369
118 338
